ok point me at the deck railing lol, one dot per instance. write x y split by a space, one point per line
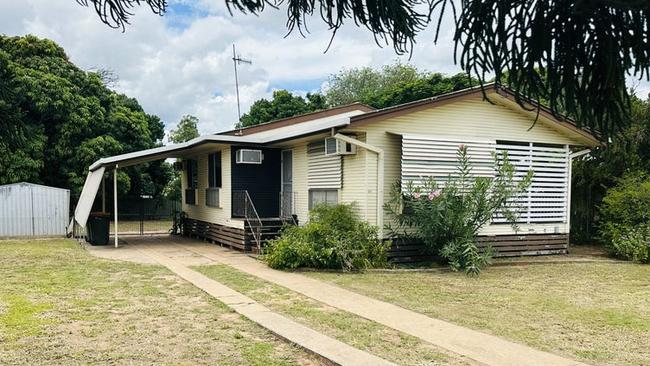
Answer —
243 207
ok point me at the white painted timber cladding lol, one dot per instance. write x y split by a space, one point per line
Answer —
546 199
429 156
323 172
199 211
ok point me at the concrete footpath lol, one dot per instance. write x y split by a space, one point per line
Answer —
478 346
335 351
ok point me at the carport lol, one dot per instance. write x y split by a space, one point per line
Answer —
96 172
195 146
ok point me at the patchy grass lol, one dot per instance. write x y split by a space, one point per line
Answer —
59 305
597 312
348 328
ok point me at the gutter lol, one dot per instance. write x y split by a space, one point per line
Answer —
380 176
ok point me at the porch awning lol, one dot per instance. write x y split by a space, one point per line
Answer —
87 198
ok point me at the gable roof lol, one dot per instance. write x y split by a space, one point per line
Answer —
290 121
337 117
361 113
504 92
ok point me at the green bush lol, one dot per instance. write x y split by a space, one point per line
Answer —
625 218
333 238
632 244
448 218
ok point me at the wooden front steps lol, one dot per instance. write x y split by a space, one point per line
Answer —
271 229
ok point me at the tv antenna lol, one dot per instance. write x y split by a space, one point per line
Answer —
236 60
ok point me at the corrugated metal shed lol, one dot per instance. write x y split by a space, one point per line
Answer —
28 209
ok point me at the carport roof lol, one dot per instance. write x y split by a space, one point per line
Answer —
260 138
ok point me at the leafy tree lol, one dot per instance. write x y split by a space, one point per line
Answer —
58 119
284 104
627 153
390 85
186 130
574 54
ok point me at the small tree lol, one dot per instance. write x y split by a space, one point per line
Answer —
186 130
448 218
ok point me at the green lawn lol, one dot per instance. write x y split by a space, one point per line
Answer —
349 328
596 312
59 305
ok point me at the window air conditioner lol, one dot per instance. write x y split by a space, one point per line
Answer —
249 156
338 147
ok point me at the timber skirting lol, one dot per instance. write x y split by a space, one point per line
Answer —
502 246
216 233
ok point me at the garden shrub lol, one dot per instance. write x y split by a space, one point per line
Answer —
447 218
625 218
632 243
333 238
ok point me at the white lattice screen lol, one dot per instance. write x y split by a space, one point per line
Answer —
427 156
546 199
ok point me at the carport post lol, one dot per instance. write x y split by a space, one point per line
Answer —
115 200
103 194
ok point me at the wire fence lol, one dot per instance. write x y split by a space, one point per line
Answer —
138 215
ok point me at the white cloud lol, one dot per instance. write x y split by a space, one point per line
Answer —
186 68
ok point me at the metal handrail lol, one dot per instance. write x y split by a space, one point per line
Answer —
284 212
252 218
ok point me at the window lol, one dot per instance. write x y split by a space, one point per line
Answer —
318 196
214 180
214 170
191 169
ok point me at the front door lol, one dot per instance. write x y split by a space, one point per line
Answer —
286 196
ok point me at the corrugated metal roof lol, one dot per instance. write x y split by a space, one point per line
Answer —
260 138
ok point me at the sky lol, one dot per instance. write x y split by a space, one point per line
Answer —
181 63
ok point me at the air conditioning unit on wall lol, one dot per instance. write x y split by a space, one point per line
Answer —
249 156
338 147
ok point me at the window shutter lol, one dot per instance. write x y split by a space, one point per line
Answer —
428 156
323 171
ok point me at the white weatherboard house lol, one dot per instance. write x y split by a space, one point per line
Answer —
240 185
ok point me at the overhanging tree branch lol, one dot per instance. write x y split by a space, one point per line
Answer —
572 55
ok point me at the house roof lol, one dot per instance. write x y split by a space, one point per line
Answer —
508 94
260 138
290 121
319 121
